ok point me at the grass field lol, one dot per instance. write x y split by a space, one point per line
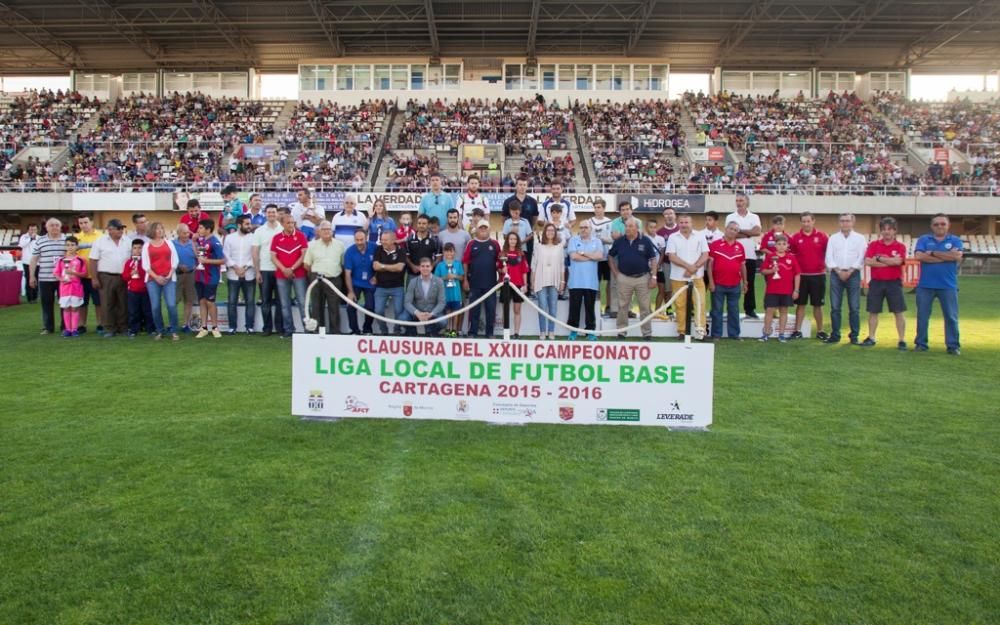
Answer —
165 483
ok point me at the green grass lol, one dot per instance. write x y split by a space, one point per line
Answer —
165 483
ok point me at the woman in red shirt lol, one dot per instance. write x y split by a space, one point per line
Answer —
159 261
516 267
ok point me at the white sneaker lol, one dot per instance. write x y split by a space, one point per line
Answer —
216 333
201 333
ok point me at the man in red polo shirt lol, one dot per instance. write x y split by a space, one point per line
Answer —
727 280
288 250
809 247
886 257
194 215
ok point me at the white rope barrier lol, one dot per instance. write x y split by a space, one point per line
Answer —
311 324
698 331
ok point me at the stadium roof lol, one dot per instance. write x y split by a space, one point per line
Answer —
121 35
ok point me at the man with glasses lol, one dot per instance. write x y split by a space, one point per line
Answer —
939 254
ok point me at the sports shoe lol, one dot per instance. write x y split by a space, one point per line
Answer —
822 336
572 336
831 340
109 335
782 338
920 348
250 332
648 339
868 342
131 335
854 341
901 346
591 337
175 337
201 333
81 330
100 330
954 351
75 334
157 337
752 315
795 335
231 332
216 333
763 338
44 332
186 330
66 334
663 317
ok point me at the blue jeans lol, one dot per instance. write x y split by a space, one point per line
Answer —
166 292
285 295
381 297
249 288
268 295
548 300
368 294
837 287
490 308
949 308
730 296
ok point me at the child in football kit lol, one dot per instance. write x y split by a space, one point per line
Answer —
69 270
781 271
135 285
405 228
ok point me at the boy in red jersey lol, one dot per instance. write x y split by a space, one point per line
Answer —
809 247
886 257
781 271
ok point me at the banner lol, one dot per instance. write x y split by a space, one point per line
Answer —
330 201
615 383
942 155
717 153
657 202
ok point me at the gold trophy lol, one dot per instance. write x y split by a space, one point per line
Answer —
777 267
135 267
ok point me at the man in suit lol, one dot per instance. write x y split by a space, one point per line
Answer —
424 298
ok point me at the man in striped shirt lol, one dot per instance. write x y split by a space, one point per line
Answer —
46 250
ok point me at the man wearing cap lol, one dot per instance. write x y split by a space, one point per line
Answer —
107 261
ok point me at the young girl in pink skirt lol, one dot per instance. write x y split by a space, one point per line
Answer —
69 270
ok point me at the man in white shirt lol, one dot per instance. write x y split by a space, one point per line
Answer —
749 224
25 242
237 248
107 261
470 200
600 225
347 222
264 271
556 197
688 255
845 256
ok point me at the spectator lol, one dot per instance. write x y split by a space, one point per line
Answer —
809 247
600 227
781 271
380 221
886 257
939 254
749 224
26 242
240 274
634 264
482 261
471 200
389 263
515 266
324 259
585 253
187 260
359 277
845 256
688 255
452 273
257 216
68 271
348 220
547 273
727 280
207 275
45 252
307 215
425 299
87 236
288 249
107 262
159 264
140 228
437 203
139 311
266 272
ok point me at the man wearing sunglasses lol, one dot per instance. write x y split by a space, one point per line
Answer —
939 254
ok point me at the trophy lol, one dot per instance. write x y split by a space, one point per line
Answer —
66 276
200 249
135 267
777 266
450 283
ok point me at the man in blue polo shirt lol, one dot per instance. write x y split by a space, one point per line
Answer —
634 261
358 274
436 203
939 254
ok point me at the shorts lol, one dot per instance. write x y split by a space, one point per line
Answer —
506 294
773 300
185 288
90 294
206 291
70 301
887 290
812 289
450 306
661 278
603 271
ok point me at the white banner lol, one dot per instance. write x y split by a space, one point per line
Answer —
619 383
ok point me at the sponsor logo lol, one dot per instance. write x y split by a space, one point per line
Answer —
462 407
618 414
354 405
315 400
407 409
566 412
519 411
674 413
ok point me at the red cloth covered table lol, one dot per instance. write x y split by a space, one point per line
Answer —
10 288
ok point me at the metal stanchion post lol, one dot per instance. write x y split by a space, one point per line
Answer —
505 300
688 311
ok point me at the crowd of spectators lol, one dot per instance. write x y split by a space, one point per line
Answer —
520 125
43 116
316 124
412 172
961 124
542 170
